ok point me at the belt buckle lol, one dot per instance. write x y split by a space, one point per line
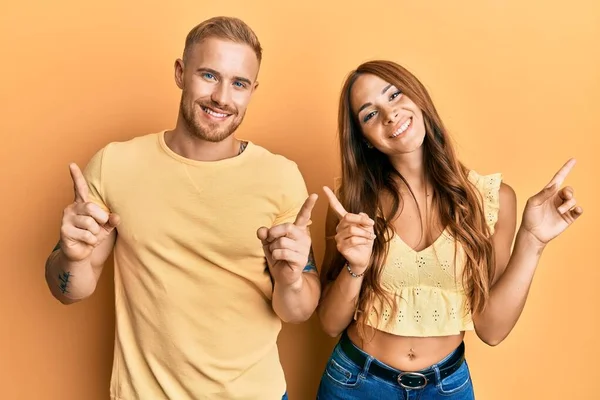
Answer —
416 374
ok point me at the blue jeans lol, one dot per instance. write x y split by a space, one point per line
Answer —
285 396
345 380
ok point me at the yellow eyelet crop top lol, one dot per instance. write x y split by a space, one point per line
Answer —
425 285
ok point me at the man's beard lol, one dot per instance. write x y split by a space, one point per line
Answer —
211 132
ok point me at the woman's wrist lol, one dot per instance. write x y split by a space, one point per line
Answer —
355 270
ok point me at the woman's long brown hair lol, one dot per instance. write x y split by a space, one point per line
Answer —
368 173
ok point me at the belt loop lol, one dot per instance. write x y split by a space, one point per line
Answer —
436 370
367 365
368 357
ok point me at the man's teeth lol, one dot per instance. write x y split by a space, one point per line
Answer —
213 113
402 128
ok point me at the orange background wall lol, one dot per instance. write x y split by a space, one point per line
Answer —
517 83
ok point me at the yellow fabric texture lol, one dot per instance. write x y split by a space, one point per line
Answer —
194 318
426 286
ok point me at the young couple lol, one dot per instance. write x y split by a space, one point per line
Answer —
212 248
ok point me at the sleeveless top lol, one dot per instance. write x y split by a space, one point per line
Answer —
426 286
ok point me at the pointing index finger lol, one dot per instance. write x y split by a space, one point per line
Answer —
303 217
561 175
335 203
79 184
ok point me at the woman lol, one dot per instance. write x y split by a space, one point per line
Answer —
419 247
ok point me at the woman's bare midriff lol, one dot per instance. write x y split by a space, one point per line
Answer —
403 352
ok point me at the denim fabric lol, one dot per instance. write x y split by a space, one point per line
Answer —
344 380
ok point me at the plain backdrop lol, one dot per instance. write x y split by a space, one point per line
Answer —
517 83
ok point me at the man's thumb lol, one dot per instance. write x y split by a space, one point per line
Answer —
262 233
113 221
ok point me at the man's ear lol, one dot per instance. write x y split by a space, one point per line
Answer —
179 67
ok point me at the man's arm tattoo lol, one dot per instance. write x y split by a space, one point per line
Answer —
310 265
63 279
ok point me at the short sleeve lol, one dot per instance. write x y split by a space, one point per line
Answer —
93 177
489 187
294 194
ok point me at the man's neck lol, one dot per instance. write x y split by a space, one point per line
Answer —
194 148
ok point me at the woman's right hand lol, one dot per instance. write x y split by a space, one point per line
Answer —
355 235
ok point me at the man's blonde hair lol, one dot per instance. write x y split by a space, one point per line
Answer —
228 28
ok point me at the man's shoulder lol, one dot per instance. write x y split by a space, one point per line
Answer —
133 144
270 159
126 151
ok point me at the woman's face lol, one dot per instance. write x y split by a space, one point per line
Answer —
389 120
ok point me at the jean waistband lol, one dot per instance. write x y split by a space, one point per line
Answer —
408 380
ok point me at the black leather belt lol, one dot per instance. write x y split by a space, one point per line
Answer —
408 380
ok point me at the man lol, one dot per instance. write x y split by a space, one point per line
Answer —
191 214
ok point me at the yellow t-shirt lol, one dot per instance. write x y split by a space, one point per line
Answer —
193 299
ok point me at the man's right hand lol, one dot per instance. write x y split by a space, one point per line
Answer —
84 224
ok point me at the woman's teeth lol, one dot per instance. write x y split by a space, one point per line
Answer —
402 128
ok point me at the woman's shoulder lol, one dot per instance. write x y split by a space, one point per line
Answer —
495 193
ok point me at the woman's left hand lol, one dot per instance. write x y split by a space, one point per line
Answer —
551 211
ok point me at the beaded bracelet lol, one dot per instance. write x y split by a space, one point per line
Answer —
352 273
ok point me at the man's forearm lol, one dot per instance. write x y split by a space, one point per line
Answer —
296 303
69 282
